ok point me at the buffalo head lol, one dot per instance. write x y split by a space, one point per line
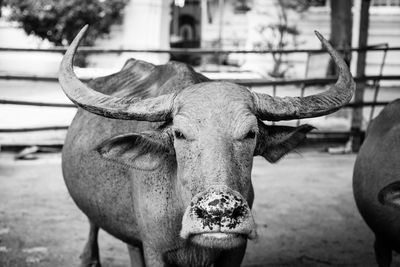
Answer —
211 132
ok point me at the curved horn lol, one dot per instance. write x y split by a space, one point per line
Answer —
150 109
288 108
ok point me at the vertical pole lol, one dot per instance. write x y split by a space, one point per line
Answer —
273 94
220 29
341 30
204 20
357 117
377 85
175 20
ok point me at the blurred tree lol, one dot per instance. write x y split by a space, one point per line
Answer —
301 5
283 33
60 21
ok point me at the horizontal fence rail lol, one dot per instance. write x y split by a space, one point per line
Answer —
33 103
309 82
244 82
250 83
66 105
33 129
94 50
322 81
32 78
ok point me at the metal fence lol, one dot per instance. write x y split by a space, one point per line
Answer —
302 84
191 51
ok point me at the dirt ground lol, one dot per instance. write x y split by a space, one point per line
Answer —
304 209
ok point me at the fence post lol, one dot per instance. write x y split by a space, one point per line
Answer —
357 117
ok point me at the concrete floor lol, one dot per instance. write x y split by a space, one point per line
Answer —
304 211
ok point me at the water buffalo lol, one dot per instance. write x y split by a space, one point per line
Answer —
160 157
376 182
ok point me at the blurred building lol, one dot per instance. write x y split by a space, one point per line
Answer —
238 24
227 24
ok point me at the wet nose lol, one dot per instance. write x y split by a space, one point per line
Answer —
220 207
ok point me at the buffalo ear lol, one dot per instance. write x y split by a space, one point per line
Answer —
390 195
144 151
273 142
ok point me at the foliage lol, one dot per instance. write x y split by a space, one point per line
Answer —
281 35
301 5
60 21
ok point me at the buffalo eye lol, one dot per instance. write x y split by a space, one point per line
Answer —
179 135
250 135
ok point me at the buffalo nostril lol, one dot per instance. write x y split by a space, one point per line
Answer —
238 212
201 213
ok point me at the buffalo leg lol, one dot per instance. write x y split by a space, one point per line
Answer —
136 256
231 258
90 256
383 252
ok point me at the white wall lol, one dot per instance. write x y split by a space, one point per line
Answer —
145 26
